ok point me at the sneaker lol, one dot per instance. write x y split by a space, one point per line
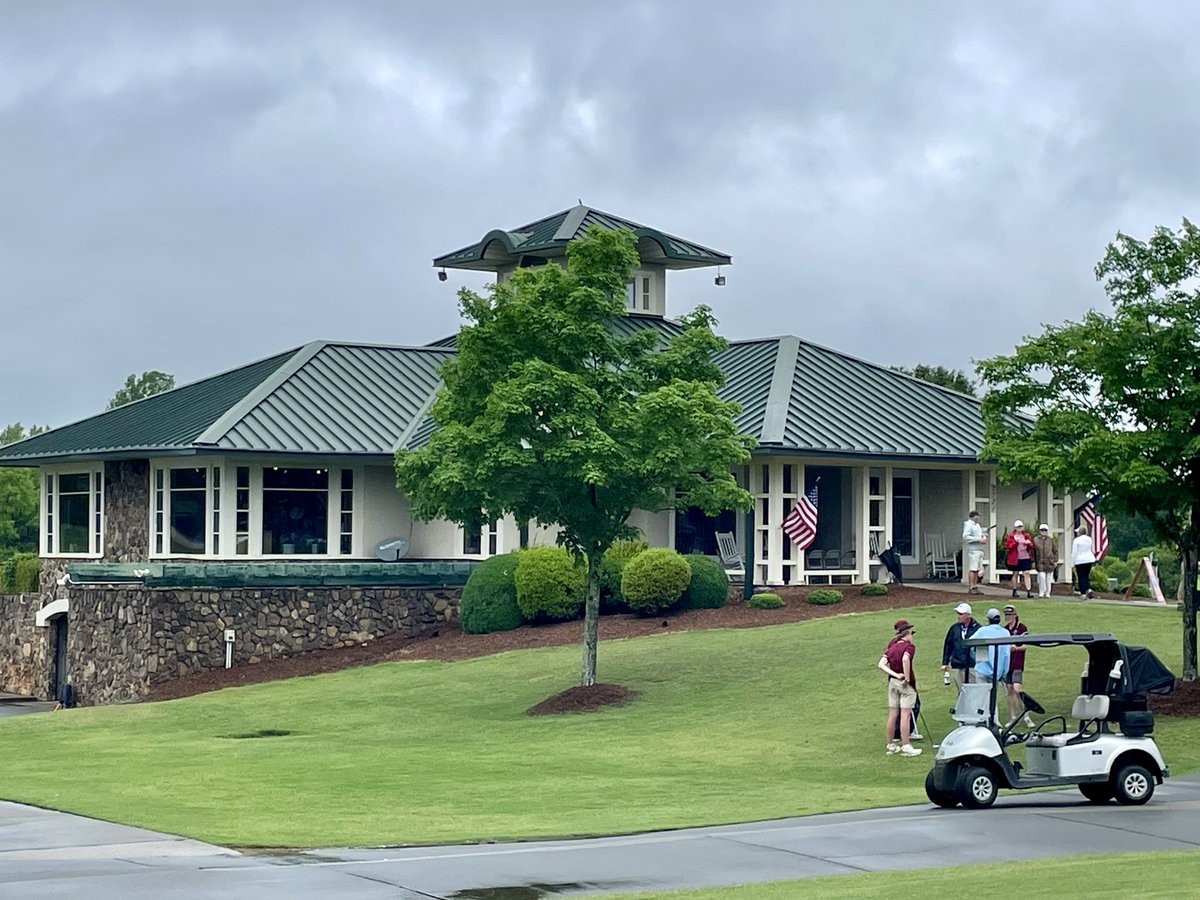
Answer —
1090 595
1029 723
893 747
916 736
1028 594
1014 592
973 590
909 750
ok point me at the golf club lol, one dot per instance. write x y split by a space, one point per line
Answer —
925 725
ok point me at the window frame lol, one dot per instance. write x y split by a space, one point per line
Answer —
50 518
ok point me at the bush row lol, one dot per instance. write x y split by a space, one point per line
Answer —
1165 558
545 584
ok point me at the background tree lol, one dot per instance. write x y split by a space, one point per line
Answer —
546 414
1116 399
18 499
139 387
955 379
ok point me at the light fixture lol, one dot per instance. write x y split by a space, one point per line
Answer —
442 276
719 281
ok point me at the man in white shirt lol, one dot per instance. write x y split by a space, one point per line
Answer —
975 538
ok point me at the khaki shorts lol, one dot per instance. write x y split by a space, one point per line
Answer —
901 694
974 560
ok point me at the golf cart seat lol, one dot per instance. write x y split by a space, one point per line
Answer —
1090 710
971 708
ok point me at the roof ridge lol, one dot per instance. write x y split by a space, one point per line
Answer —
779 396
214 432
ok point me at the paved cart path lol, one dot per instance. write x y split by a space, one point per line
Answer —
51 854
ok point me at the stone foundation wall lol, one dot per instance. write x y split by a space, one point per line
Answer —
25 664
123 639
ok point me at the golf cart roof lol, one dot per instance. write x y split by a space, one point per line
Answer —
1084 639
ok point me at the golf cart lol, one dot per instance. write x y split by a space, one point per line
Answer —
972 761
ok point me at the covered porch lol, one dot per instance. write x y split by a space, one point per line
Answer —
917 508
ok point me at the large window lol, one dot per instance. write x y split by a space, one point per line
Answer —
480 540
295 511
73 513
209 508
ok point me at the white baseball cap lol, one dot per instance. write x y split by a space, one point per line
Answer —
963 609
1043 527
1018 524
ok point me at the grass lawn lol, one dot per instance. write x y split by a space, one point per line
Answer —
731 725
1163 874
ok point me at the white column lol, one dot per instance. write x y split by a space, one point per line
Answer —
774 534
862 525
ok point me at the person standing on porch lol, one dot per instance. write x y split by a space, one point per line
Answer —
975 537
1019 557
1083 557
1045 559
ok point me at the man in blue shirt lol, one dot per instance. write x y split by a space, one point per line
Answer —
991 663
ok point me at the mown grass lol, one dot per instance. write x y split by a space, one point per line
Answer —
729 726
1170 873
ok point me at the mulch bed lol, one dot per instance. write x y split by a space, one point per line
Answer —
447 643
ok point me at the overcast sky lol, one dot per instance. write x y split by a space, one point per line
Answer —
190 186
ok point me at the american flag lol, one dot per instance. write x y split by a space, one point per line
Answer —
1096 525
801 523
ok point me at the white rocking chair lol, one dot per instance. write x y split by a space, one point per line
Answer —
939 564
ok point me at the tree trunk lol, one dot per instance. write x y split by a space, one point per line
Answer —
1189 613
591 622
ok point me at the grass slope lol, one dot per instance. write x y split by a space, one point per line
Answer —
730 726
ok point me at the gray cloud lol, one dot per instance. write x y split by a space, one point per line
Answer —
191 186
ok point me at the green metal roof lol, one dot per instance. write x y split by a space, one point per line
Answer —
340 399
324 398
547 238
801 397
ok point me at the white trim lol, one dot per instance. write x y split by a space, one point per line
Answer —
95 495
52 609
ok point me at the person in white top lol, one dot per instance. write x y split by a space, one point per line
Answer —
974 536
1083 557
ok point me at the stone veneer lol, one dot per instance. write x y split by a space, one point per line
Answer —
127 510
123 639
25 662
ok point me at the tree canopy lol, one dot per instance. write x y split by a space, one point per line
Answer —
1115 398
139 387
547 414
18 498
955 379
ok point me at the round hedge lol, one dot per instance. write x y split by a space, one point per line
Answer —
612 565
825 597
489 598
655 580
874 590
765 601
709 586
550 586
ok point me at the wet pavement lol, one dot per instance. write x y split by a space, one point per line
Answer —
48 854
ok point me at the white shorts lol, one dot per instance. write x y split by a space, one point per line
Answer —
974 560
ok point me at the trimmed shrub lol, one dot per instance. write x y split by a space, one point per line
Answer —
765 601
19 574
825 597
655 580
874 590
550 586
709 586
612 565
1117 568
489 598
1141 590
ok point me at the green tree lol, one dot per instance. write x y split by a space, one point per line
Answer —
546 414
1116 399
18 499
955 379
139 387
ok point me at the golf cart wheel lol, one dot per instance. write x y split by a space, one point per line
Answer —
975 787
944 799
1133 785
1097 792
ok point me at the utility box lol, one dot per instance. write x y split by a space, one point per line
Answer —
229 636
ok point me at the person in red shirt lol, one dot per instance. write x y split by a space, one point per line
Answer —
896 663
1016 666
